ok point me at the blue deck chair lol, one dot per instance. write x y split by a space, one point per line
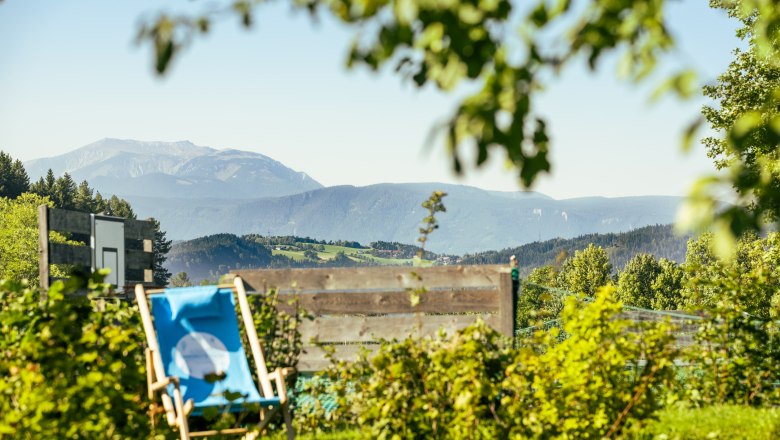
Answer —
193 336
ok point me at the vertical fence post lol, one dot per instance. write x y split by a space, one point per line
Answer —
43 249
516 292
507 304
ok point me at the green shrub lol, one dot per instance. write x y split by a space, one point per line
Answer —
736 357
475 385
70 368
418 388
537 302
605 376
714 422
277 328
73 368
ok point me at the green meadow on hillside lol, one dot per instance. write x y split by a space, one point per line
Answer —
329 252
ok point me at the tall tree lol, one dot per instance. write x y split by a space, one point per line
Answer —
19 238
84 199
118 208
64 192
746 120
160 248
635 283
45 185
99 203
667 287
181 279
13 178
701 263
586 271
751 279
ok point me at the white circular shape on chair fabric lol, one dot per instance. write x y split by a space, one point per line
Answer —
200 353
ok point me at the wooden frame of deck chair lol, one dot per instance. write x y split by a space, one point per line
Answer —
195 343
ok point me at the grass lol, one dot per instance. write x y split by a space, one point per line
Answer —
331 249
295 255
714 422
676 423
354 254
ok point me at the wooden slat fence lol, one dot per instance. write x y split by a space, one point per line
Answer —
355 307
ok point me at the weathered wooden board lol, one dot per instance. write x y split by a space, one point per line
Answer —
507 307
69 221
370 277
43 248
66 254
139 229
354 307
314 357
384 302
372 328
138 276
135 259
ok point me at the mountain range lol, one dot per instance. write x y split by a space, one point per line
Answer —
182 169
196 191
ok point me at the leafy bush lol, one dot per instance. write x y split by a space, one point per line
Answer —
277 328
417 388
73 368
737 352
475 385
19 238
736 357
537 303
606 375
70 368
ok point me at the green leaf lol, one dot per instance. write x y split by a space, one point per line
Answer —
165 51
690 133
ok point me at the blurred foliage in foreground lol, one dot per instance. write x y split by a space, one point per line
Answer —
512 54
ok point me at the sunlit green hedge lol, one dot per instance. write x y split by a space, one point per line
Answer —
70 368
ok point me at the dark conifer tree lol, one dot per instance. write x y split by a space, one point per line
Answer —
13 178
45 185
64 193
84 200
160 248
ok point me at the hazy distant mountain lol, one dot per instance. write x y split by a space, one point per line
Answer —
174 169
476 220
197 191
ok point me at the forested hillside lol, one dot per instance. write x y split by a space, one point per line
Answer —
659 240
208 257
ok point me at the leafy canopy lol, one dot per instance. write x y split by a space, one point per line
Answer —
585 272
511 61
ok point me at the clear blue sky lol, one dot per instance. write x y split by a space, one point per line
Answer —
71 74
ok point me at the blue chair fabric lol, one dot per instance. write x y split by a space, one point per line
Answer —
198 335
